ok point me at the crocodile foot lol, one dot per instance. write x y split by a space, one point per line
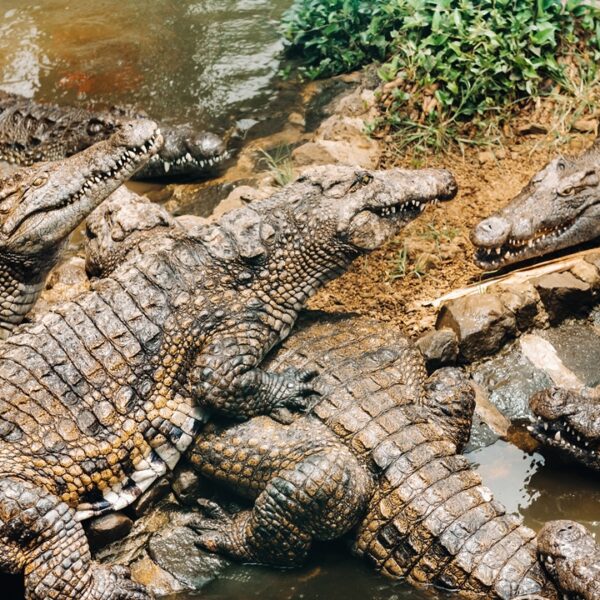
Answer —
115 583
219 531
294 388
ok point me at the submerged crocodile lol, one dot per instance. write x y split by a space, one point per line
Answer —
569 422
40 206
101 395
559 208
32 132
376 454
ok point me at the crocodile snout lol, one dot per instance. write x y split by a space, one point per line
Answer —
493 231
136 133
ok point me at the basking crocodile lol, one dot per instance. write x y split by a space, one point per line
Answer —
376 454
40 206
569 421
100 396
571 557
32 132
559 207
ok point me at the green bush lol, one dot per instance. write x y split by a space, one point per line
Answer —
451 60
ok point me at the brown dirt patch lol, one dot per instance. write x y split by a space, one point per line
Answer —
433 255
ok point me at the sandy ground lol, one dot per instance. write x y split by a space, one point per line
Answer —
433 255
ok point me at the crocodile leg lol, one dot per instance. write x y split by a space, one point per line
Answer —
227 379
307 486
40 536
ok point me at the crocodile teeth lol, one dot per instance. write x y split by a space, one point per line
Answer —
557 436
167 166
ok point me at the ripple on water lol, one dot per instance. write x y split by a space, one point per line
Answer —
202 62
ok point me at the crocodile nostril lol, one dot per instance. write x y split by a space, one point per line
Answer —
493 231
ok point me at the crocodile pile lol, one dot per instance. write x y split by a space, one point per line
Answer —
375 455
101 395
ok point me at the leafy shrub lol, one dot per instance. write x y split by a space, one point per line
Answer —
448 60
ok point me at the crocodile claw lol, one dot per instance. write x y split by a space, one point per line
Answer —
297 388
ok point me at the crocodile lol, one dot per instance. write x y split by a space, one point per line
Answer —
40 206
377 456
32 132
571 557
102 394
569 422
559 208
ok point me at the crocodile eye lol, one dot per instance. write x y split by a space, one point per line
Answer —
361 180
561 164
95 127
40 180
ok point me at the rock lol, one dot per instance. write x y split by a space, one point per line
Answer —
481 323
585 126
523 301
149 499
587 272
161 552
186 485
323 152
439 347
239 197
174 550
104 530
156 579
563 294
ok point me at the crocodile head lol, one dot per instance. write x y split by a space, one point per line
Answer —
186 153
362 209
111 229
569 422
310 231
571 557
41 205
559 207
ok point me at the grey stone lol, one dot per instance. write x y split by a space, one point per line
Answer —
101 531
563 295
439 347
151 497
481 322
174 550
523 301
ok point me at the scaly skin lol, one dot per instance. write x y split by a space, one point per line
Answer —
32 132
101 395
40 207
571 557
559 207
569 422
416 509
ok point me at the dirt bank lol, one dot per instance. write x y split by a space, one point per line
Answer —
433 254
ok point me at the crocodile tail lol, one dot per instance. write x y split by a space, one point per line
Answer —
433 522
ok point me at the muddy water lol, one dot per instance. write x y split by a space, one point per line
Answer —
203 61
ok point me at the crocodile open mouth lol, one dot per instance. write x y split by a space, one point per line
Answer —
560 434
405 210
514 249
189 160
124 165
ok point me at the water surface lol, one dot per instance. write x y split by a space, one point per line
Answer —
202 61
